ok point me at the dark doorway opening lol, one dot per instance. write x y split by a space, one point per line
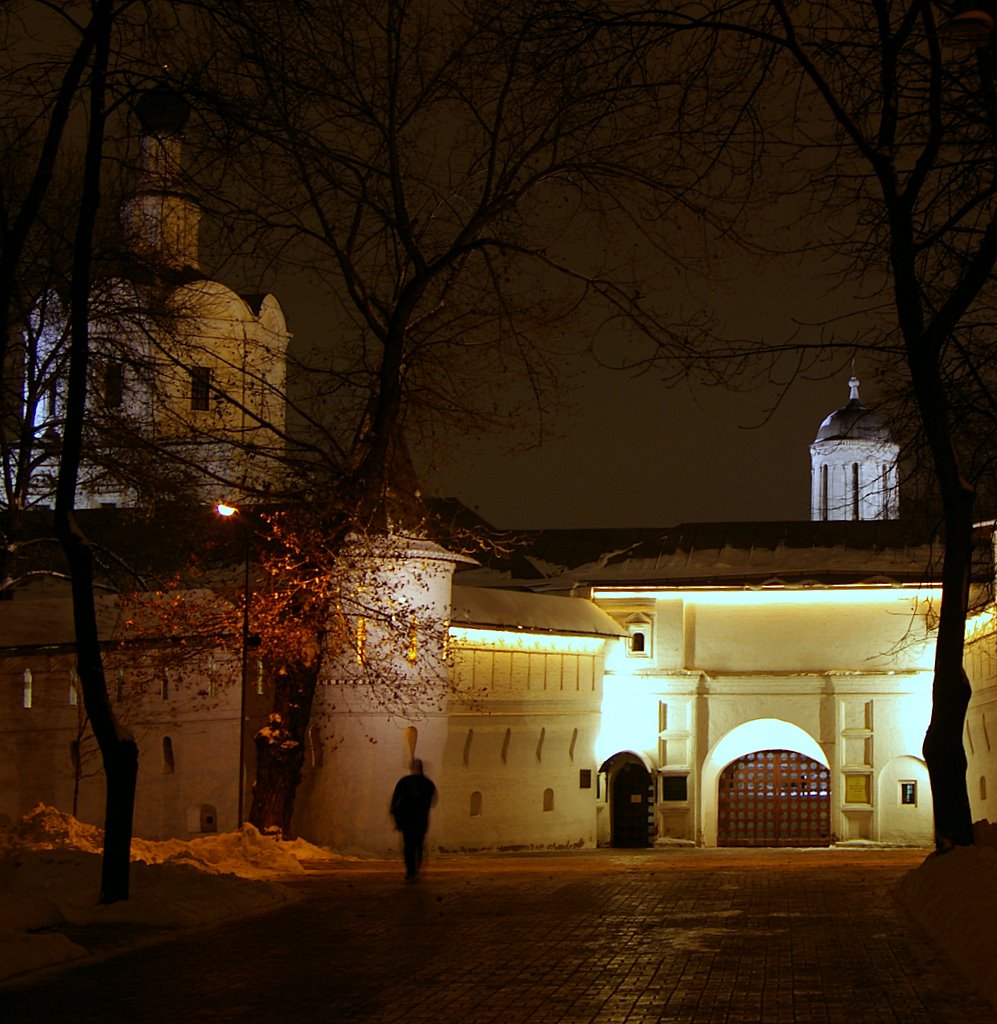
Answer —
631 801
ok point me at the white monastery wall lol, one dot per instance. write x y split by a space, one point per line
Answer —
843 679
980 736
187 739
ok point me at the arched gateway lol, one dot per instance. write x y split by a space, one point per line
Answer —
774 798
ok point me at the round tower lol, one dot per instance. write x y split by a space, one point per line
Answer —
853 465
161 220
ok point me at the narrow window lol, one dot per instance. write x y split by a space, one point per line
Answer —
908 793
637 643
27 693
361 640
855 490
476 804
200 388
824 508
114 384
584 778
413 641
983 787
548 800
169 765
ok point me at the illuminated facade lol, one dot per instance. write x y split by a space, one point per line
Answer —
712 684
188 378
853 465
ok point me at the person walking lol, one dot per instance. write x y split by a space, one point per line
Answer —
410 803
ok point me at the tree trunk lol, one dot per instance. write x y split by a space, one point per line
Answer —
118 748
943 747
280 747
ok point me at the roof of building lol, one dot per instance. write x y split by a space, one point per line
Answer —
742 554
853 421
530 613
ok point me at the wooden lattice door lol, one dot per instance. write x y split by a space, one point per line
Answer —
774 798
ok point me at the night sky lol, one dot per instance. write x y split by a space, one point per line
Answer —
638 453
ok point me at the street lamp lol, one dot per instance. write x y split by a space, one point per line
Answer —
971 25
228 512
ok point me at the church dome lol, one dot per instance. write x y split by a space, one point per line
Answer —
853 422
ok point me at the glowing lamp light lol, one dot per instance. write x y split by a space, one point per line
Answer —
505 639
868 594
225 510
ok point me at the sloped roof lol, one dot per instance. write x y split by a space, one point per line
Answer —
530 613
719 554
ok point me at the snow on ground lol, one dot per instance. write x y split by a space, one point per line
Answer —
953 897
50 879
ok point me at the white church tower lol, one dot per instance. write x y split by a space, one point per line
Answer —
853 465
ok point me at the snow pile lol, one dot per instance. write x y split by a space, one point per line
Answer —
50 879
953 897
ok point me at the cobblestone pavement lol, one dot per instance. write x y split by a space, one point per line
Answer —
697 936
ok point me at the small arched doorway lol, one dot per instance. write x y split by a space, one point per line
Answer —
631 801
774 798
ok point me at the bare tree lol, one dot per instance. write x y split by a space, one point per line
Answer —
460 184
878 122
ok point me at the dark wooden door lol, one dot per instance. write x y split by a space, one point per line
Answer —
774 798
633 806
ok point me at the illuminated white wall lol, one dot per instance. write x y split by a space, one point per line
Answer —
839 674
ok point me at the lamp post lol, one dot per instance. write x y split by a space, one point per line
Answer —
228 512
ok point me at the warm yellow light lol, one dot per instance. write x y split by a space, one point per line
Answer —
225 510
883 594
982 622
507 639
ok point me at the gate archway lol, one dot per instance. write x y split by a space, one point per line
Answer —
774 798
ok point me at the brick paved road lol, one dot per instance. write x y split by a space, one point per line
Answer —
697 936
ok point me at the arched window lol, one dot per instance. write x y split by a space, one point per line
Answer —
476 804
548 800
640 627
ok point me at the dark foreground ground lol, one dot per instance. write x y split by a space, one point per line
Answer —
692 936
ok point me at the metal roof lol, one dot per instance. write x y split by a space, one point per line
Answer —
720 554
530 613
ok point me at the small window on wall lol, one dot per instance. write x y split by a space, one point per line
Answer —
639 626
114 384
675 787
200 388
908 794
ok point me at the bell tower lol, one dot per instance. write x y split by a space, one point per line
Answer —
853 465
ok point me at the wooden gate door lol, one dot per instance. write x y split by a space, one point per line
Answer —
633 806
774 798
